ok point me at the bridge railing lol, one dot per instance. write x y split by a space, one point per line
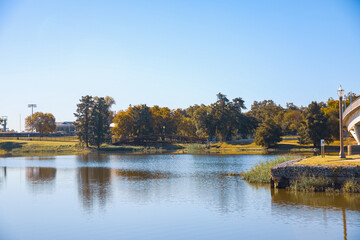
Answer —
351 107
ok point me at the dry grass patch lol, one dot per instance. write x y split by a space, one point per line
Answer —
353 160
235 145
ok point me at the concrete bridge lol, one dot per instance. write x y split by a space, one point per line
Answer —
351 119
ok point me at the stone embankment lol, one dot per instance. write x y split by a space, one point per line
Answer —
283 173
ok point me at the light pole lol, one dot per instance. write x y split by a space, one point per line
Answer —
4 118
340 92
32 106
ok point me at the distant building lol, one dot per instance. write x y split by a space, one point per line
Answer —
65 127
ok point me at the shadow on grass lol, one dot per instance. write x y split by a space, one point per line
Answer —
289 146
240 142
9 146
141 147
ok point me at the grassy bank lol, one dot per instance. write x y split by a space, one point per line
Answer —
21 148
18 147
288 145
260 173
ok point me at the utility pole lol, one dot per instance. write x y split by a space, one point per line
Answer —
32 106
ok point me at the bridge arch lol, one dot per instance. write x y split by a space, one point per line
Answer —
351 119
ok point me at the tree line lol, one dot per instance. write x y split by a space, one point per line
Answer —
223 120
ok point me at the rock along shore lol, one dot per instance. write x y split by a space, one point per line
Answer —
283 173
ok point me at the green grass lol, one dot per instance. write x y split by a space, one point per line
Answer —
323 184
260 173
20 147
312 184
351 186
23 148
195 147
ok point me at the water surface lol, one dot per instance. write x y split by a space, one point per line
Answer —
161 197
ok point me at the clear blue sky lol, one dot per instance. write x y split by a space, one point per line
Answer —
174 53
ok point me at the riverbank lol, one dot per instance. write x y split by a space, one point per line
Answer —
20 147
23 148
288 145
314 174
318 175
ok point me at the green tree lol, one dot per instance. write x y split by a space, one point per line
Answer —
42 122
222 119
315 125
184 124
266 109
142 118
303 134
83 119
99 124
109 102
291 122
268 133
203 121
227 117
331 111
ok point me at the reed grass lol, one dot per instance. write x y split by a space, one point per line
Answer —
260 173
312 184
351 186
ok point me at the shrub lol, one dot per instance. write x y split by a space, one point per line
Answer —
268 134
195 147
312 184
260 173
351 186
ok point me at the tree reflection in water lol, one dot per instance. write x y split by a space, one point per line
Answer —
2 175
94 183
41 179
334 201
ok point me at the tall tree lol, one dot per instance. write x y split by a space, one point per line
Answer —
291 121
109 102
268 133
266 109
99 125
184 124
83 119
203 120
331 111
228 117
142 118
162 120
315 125
136 121
42 122
124 124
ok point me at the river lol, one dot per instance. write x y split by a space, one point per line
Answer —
98 196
